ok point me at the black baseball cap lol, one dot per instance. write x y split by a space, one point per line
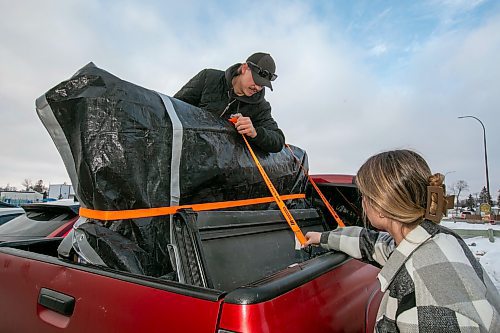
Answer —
263 67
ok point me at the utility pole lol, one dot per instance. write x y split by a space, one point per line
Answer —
485 154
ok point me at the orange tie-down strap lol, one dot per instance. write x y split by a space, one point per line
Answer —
109 215
313 183
279 201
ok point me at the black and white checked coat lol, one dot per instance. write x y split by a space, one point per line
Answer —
431 280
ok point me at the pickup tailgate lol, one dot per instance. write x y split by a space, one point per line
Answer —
102 301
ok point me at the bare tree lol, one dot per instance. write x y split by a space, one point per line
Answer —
9 188
27 184
451 189
460 186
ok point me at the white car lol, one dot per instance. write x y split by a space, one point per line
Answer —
8 212
41 219
465 214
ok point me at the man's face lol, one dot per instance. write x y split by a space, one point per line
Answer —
247 84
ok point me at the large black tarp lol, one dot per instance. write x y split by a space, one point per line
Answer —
128 147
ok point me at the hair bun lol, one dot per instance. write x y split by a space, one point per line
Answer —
436 179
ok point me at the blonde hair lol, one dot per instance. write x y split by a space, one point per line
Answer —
395 184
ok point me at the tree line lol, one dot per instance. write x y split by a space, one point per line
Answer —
474 199
28 185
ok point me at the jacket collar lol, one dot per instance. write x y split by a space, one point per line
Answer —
413 240
230 73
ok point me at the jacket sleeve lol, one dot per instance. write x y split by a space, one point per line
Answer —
432 318
191 92
269 137
370 246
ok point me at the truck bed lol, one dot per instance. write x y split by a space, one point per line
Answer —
240 274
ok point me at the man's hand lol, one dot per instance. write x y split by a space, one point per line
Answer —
244 125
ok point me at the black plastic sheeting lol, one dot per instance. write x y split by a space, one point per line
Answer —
115 139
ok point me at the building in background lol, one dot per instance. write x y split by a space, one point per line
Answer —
61 191
17 198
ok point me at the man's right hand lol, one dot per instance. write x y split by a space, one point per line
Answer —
244 125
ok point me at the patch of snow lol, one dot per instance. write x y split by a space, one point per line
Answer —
486 252
488 255
464 225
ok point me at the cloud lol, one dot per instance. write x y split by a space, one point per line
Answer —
378 49
451 13
455 7
454 74
328 98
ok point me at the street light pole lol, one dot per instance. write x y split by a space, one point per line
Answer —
454 206
448 173
485 155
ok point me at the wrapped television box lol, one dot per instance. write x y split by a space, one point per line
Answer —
127 147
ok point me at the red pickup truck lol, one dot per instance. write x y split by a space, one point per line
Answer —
241 271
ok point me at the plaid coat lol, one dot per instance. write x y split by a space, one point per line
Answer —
431 280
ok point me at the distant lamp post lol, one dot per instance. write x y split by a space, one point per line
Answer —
448 173
445 174
485 155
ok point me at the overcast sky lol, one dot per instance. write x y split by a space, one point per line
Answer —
355 77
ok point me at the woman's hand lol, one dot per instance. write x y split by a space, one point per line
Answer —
312 238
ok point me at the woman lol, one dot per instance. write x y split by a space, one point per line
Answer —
430 279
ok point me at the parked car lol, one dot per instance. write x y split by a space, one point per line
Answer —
8 212
465 214
240 273
45 219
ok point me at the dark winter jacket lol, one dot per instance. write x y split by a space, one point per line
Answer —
431 280
212 90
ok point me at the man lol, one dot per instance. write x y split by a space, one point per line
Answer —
239 92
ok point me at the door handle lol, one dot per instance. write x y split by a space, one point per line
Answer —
56 301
